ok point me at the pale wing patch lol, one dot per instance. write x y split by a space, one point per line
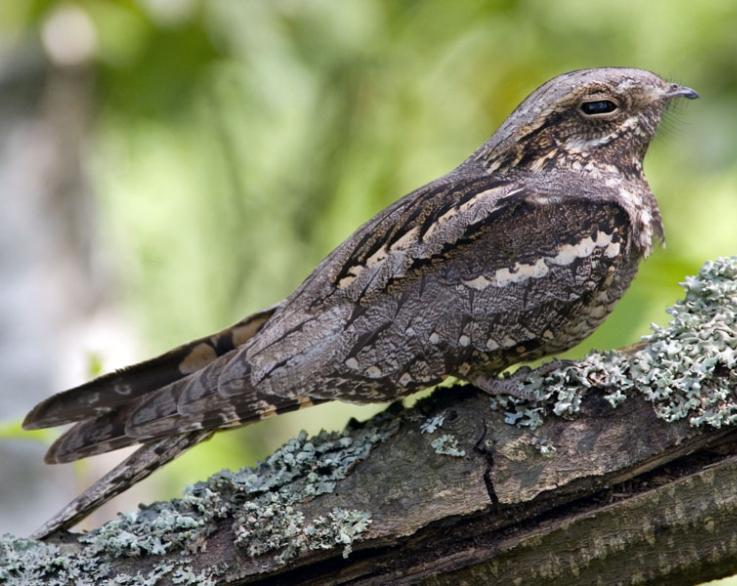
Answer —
373 372
508 342
570 252
353 273
405 379
266 410
405 241
479 283
565 255
242 334
200 356
473 211
520 272
304 401
612 250
376 258
539 163
440 222
476 201
602 239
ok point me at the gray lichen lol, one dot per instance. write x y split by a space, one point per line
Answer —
685 369
262 501
447 445
545 448
32 563
283 527
432 424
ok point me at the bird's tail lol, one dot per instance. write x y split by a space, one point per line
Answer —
167 404
112 391
136 467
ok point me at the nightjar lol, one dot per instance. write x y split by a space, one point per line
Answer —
519 252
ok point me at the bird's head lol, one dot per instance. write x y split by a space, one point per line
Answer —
587 119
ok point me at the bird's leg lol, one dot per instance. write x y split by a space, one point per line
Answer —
493 384
513 385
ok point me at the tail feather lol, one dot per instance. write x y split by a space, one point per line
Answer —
90 437
136 467
167 404
156 412
167 412
116 389
191 403
222 414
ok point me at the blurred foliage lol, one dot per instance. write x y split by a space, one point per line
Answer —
237 142
12 430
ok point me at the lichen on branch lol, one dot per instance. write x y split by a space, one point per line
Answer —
261 501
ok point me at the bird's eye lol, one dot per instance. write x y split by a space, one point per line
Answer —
598 107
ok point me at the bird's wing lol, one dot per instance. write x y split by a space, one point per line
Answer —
108 392
127 407
416 227
427 233
422 226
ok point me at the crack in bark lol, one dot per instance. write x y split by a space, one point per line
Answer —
488 455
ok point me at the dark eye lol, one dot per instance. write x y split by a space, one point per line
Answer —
596 107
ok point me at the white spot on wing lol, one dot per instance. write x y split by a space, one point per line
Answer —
373 372
353 273
304 401
566 254
479 283
602 239
376 258
570 252
404 242
477 201
612 250
345 281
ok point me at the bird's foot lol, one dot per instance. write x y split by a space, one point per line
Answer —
514 384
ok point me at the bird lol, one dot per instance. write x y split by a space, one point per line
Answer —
520 252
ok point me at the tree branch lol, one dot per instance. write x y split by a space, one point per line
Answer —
635 483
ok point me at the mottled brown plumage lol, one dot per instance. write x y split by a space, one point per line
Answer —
518 253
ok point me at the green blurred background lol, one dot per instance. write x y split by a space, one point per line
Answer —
227 146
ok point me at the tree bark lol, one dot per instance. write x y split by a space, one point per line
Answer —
623 498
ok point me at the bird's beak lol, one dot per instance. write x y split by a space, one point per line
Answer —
681 91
